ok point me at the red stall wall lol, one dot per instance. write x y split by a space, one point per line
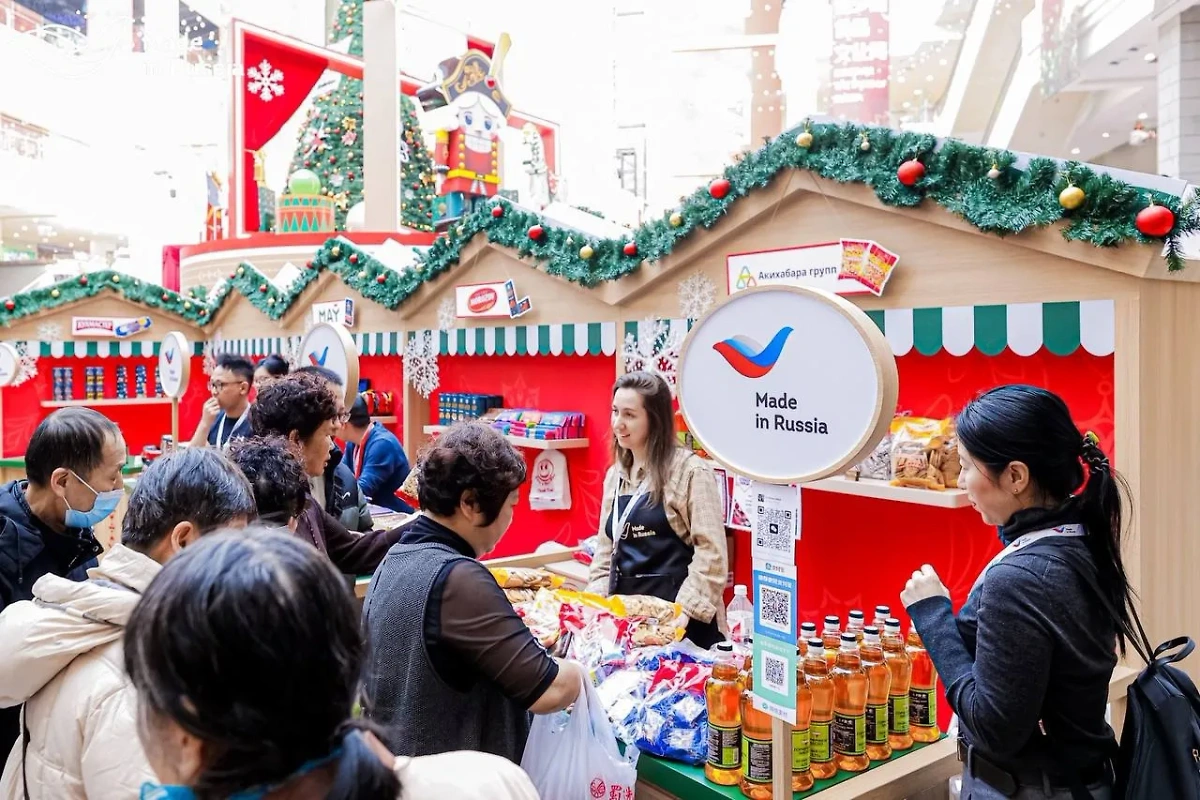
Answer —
386 374
857 552
141 424
549 383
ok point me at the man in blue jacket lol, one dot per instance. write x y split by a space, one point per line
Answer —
376 457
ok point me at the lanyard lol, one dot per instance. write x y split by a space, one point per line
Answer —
221 429
1025 541
617 520
359 449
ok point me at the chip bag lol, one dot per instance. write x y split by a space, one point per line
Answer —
913 438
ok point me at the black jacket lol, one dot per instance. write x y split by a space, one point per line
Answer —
29 550
343 500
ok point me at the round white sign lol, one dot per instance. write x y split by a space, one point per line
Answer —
10 364
787 384
330 346
174 364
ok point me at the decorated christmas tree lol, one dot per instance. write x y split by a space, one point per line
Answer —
331 141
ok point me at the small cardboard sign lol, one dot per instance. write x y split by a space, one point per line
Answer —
118 327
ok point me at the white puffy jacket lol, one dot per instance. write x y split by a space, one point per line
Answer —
61 655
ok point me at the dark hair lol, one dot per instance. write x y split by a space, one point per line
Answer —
325 372
197 485
250 642
237 365
276 475
660 443
1033 426
72 438
469 457
274 364
360 416
298 402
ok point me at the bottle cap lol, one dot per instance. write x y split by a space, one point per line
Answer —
856 615
747 640
831 623
724 647
815 644
849 641
740 590
883 611
808 628
871 630
891 623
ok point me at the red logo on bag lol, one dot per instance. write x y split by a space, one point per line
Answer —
616 793
482 300
628 793
598 788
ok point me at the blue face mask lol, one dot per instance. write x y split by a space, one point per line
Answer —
106 503
154 791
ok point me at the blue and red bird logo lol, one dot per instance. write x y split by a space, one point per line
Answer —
748 357
319 362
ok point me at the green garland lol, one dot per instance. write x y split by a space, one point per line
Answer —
72 290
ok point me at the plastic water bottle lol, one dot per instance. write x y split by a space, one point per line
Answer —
740 614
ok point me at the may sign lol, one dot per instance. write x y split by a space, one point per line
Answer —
787 384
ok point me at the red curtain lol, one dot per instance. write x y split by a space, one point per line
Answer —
277 79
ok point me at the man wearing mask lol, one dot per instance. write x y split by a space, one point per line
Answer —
224 417
73 467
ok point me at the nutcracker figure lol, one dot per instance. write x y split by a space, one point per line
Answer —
467 155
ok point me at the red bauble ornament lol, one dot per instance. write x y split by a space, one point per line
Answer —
333 159
719 188
307 163
204 312
536 232
309 265
231 276
910 172
630 249
83 280
165 297
497 211
354 258
1155 220
262 287
9 305
381 278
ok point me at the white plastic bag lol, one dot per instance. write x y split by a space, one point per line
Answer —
579 760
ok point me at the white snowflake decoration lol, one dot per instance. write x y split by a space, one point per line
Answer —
265 81
26 365
696 295
420 363
655 349
404 153
49 332
447 314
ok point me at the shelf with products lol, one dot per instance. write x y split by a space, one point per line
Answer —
526 442
108 401
883 490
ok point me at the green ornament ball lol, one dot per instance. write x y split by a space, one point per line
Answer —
304 182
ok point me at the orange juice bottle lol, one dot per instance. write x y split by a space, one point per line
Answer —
757 763
922 693
879 682
881 616
854 624
723 696
832 638
850 707
816 675
808 630
899 664
802 778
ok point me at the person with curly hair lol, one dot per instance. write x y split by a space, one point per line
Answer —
473 661
300 408
277 477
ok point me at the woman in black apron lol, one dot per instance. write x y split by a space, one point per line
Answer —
662 527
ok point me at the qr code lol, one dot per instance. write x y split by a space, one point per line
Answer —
773 527
775 609
774 673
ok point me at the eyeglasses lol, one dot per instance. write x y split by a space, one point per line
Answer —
342 418
219 385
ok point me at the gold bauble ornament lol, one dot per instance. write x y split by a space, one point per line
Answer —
270 301
362 274
804 139
865 144
187 306
676 219
1071 197
241 270
586 252
335 251
54 292
994 172
116 278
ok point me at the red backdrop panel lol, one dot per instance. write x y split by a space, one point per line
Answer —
549 383
386 374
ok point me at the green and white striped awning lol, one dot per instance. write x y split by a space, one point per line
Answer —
100 349
571 338
385 343
1023 328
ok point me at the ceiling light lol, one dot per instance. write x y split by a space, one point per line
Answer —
1150 58
929 79
918 92
1104 135
1143 115
1074 151
901 79
907 104
941 62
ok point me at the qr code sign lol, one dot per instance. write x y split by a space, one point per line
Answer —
773 528
775 609
774 673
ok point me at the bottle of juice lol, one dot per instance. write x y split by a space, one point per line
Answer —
899 665
808 630
850 707
832 638
879 682
723 696
922 693
757 763
816 675
802 777
881 616
854 624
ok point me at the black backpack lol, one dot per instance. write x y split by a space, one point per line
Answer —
1159 754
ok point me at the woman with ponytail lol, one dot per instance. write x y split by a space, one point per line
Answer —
245 652
1027 660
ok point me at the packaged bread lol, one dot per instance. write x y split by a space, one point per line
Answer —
877 465
944 462
643 605
913 438
526 578
520 595
655 635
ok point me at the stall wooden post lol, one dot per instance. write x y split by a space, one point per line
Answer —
175 421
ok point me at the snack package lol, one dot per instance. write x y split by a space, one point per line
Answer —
913 438
525 578
943 458
853 253
877 268
543 617
643 605
648 634
877 465
520 595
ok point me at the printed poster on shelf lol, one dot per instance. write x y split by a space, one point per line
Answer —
119 327
741 504
846 266
776 522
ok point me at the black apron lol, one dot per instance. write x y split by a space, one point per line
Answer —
649 558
